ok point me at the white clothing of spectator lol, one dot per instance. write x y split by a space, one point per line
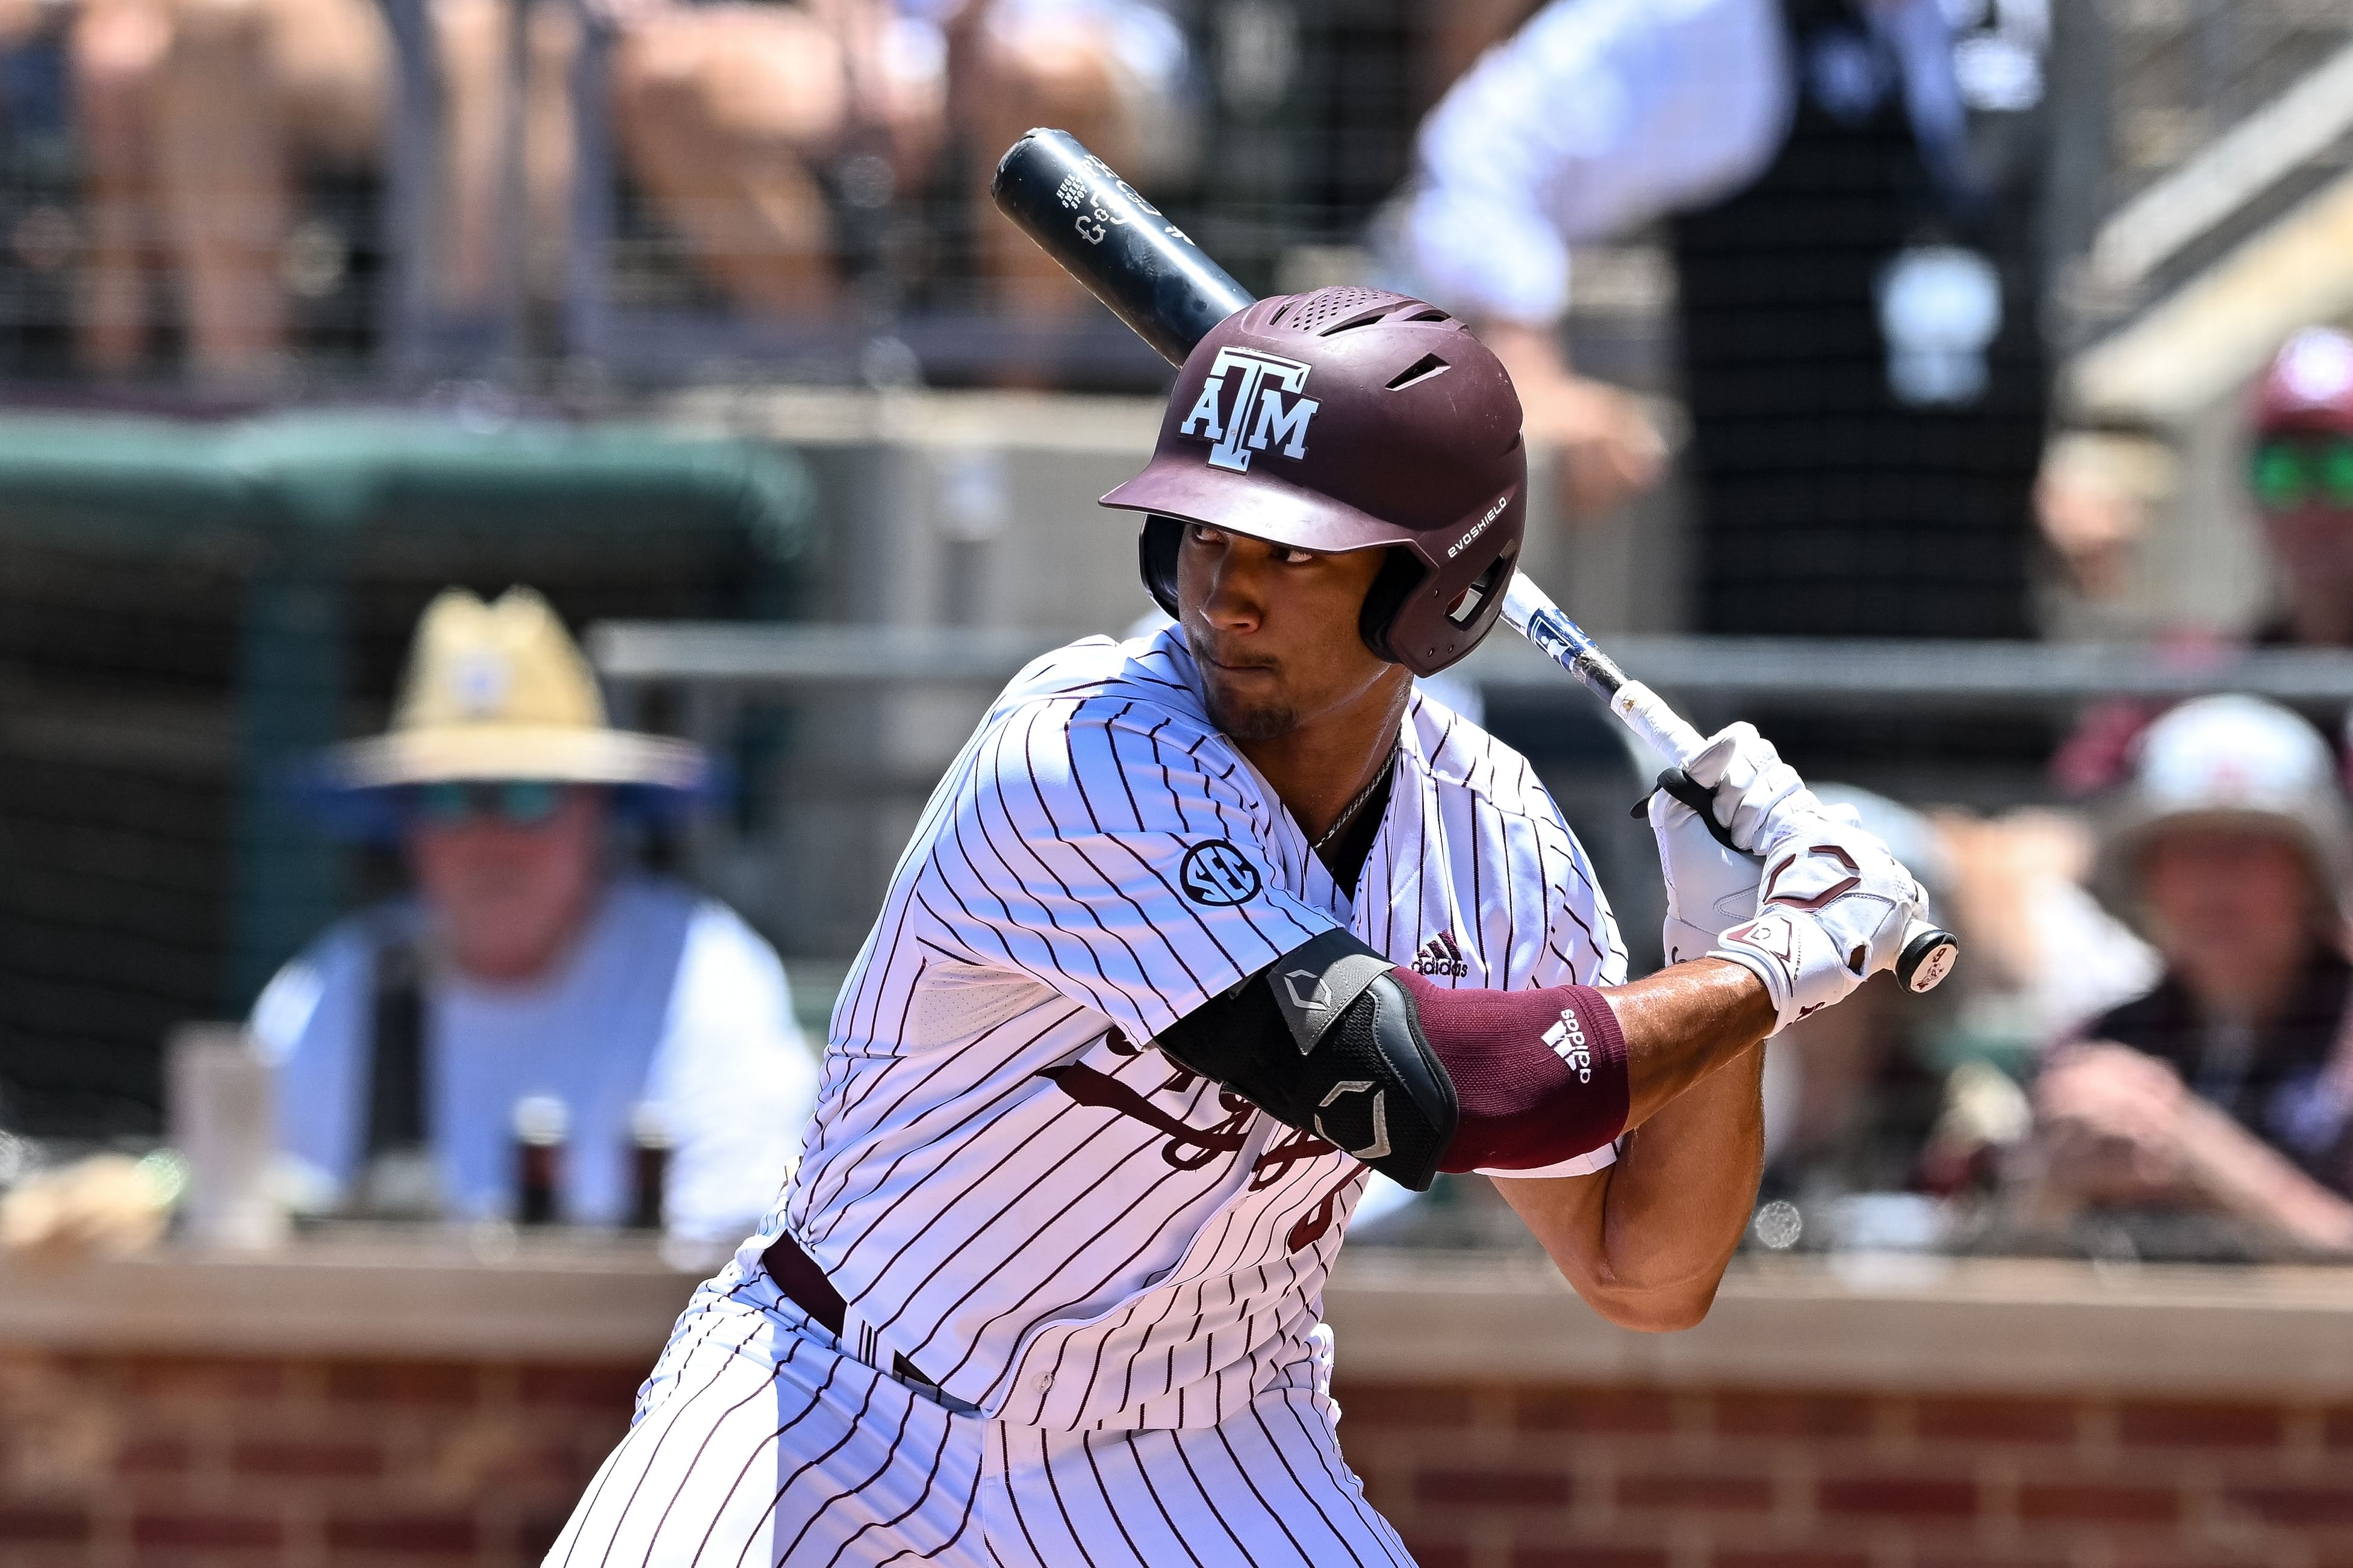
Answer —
667 1005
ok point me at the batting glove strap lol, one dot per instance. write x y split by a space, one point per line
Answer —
1794 957
1709 887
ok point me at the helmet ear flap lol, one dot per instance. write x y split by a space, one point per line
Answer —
1155 558
1400 574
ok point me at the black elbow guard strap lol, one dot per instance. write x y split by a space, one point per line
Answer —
1325 1040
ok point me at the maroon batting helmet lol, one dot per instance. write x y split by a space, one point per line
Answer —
1349 419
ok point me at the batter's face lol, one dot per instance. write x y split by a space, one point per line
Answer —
507 896
1275 632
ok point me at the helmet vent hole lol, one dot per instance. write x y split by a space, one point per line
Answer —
1420 370
1307 313
1370 318
1432 314
1465 608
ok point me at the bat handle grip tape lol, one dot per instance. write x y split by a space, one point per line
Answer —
1646 713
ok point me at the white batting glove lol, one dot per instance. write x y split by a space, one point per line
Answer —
1831 912
1756 794
1709 887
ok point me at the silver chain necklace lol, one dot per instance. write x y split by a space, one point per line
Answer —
1349 813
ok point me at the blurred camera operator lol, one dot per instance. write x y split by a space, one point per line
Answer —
2229 1087
1852 191
527 968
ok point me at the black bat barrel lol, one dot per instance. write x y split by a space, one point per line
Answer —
1109 238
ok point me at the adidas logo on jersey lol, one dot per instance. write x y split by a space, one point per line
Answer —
1566 1039
1438 955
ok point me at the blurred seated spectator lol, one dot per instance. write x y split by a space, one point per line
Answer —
528 966
737 117
1850 189
2093 500
2227 1088
2300 473
2298 477
198 116
194 115
734 116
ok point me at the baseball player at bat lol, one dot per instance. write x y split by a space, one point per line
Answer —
1196 933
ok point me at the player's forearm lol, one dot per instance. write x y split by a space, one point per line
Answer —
1685 1182
1681 1025
1645 1242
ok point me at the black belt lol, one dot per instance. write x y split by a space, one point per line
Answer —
805 1286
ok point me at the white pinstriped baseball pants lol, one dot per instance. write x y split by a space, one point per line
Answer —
760 1442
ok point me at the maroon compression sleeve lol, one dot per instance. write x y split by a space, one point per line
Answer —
1541 1075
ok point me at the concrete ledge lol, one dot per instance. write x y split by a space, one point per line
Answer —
461 1296
1885 1324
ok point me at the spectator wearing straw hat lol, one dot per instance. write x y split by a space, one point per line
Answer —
2229 1086
528 968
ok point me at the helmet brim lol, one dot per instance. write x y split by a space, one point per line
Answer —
1259 505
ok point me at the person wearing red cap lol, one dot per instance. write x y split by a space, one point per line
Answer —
2300 473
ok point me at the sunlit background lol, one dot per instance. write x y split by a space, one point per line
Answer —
1950 386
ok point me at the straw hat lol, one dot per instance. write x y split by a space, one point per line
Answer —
500 691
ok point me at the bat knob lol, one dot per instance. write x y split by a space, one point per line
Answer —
1927 957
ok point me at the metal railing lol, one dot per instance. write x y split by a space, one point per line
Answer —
1828 674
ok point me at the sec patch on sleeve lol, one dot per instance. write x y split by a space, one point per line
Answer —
1218 875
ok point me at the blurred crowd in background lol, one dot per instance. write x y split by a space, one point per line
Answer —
1907 319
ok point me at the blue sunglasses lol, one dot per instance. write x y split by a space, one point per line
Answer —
519 803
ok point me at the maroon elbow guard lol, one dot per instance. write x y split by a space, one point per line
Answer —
1540 1075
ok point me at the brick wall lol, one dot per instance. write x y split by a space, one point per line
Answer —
242 1463
168 1461
1495 1477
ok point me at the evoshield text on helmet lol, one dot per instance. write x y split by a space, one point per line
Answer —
1349 419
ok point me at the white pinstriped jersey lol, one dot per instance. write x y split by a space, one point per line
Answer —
1009 1186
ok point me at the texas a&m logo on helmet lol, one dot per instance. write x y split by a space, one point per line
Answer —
1242 408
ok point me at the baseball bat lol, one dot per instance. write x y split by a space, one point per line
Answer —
1153 276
